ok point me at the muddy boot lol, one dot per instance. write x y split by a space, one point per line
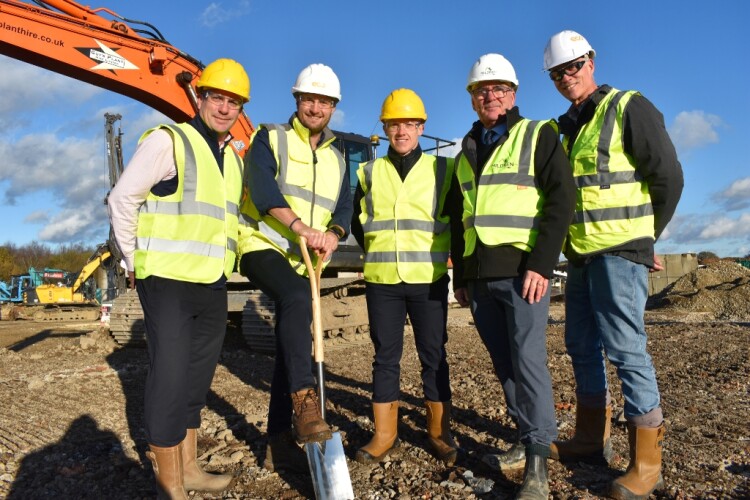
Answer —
284 454
512 459
439 431
193 476
385 439
309 426
535 484
643 474
167 465
591 442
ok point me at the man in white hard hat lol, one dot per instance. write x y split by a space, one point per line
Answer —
629 183
401 221
297 185
174 217
518 197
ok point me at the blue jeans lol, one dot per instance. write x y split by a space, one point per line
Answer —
604 305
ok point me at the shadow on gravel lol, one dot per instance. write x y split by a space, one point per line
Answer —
43 335
85 454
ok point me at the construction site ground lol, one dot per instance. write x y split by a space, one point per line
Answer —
71 421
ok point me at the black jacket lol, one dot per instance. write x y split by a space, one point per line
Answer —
646 140
553 177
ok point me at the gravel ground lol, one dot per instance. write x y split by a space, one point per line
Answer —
71 425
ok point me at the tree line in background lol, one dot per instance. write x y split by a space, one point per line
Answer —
17 259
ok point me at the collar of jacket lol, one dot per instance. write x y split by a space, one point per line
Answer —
303 132
404 164
582 113
211 137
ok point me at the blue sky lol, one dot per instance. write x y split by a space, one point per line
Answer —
689 59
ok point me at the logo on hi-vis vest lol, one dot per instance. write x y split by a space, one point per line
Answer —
504 165
105 58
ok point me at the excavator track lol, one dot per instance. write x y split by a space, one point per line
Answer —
68 313
345 321
126 320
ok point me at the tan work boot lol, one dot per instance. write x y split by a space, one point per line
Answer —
643 474
439 431
309 425
167 464
193 476
591 442
284 454
385 439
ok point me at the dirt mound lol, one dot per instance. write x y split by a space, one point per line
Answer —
721 289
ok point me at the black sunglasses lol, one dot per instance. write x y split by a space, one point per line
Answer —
570 70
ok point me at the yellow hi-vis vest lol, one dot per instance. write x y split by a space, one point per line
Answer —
191 235
504 207
613 204
406 237
310 188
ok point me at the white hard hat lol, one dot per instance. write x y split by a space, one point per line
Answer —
564 47
492 67
318 79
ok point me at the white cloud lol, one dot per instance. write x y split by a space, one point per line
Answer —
723 227
338 119
694 129
449 151
736 196
216 13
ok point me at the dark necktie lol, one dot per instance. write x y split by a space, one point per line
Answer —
490 136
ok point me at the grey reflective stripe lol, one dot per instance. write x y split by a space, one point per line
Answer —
192 247
288 189
608 178
408 257
248 221
183 208
233 208
615 213
605 134
469 222
434 226
507 221
516 179
272 235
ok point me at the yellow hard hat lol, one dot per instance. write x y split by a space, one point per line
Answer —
402 103
228 75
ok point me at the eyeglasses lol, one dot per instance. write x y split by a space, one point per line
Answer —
219 100
309 100
396 126
570 69
498 91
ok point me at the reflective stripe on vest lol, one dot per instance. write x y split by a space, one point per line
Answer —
191 235
505 207
613 205
406 238
299 181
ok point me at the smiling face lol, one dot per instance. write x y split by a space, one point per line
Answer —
219 110
314 111
403 134
576 84
491 100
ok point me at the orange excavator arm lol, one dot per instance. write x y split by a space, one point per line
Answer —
79 42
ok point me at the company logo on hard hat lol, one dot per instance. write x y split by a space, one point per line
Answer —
319 84
576 38
488 71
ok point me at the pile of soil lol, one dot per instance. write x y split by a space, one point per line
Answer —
721 289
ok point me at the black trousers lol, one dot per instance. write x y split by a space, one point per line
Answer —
271 272
427 307
185 328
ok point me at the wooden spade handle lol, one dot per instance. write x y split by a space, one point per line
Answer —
314 274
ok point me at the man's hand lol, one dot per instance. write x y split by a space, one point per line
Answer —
657 265
462 296
534 287
131 279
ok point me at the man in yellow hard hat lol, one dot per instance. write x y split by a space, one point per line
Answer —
174 217
401 222
518 196
629 183
297 185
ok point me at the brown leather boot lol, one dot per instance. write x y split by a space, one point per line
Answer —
591 442
284 454
167 464
309 425
643 474
385 439
193 477
439 431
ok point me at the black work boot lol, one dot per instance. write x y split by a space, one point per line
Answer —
535 479
514 458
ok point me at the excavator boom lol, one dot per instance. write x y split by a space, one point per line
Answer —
80 43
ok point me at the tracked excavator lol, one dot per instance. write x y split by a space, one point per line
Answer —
132 58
